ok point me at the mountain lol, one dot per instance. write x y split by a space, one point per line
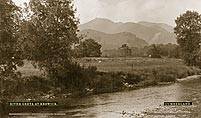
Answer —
150 32
114 41
100 24
163 26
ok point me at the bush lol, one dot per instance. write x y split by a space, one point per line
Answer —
133 78
108 82
167 78
21 86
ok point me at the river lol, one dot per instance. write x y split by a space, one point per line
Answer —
140 103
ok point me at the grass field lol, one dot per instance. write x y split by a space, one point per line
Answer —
129 65
141 65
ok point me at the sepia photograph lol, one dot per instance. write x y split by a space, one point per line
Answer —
100 59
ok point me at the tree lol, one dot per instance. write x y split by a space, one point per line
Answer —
88 48
169 50
187 30
125 50
50 33
154 51
10 52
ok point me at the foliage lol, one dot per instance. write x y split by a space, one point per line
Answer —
50 33
125 50
164 50
108 82
154 51
187 30
169 50
10 52
88 48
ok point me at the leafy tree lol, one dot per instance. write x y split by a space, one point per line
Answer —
125 50
176 52
187 30
170 50
50 33
154 51
88 48
10 52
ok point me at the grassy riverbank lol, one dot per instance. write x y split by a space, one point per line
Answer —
97 75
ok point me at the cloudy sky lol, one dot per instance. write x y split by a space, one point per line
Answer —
163 11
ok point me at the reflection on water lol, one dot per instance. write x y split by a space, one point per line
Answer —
134 103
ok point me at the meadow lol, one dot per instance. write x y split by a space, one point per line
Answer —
141 65
127 65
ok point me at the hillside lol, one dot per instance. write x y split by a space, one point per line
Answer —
114 41
161 26
150 32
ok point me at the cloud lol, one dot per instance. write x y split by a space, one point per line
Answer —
133 10
87 9
136 10
111 2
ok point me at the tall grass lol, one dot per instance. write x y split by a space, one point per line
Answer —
138 65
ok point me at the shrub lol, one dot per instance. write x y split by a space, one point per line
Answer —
108 82
167 78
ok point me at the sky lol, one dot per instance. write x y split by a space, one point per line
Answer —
160 11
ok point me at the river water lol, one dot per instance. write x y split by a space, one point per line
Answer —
140 103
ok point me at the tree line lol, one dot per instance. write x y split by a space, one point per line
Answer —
153 51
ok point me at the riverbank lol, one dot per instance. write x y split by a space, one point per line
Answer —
97 76
39 88
71 102
135 103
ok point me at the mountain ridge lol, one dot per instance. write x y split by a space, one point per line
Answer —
153 33
107 40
